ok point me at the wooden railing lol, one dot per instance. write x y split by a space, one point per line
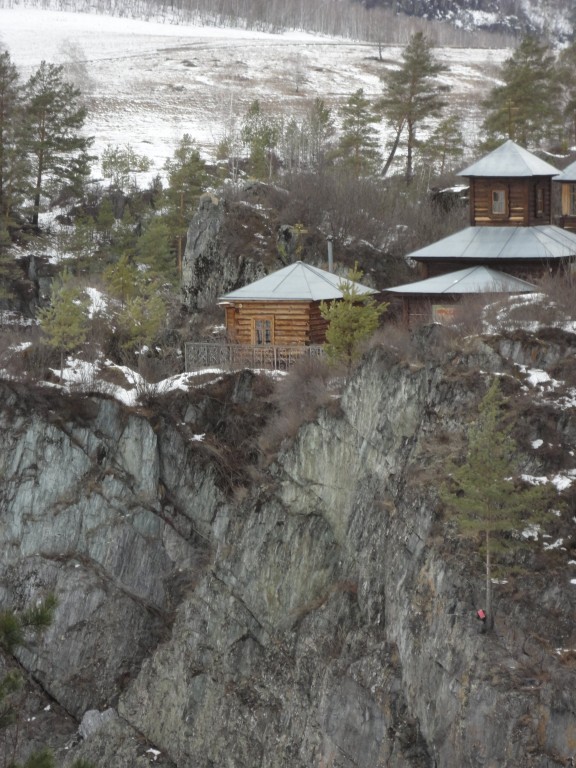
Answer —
199 355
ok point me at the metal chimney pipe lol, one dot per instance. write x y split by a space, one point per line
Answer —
330 254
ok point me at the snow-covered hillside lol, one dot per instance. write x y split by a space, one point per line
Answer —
148 83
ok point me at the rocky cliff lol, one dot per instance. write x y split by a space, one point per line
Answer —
317 611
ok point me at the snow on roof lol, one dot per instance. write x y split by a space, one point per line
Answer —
296 282
568 174
465 281
500 243
509 160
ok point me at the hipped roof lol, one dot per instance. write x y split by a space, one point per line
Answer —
568 174
502 243
510 160
296 282
472 280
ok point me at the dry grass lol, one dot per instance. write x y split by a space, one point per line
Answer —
297 399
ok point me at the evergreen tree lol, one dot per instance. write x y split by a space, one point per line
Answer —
483 494
293 145
260 134
65 321
12 165
445 145
154 250
526 107
13 626
121 279
351 320
52 135
319 130
358 144
187 178
413 94
9 270
142 319
120 165
105 221
566 69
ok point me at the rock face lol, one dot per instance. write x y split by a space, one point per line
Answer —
324 616
215 260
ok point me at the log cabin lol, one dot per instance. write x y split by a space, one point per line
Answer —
567 180
283 308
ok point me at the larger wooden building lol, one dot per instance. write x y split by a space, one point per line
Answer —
511 232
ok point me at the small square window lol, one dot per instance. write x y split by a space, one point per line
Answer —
499 202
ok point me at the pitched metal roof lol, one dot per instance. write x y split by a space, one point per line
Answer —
464 281
296 282
510 160
501 243
568 174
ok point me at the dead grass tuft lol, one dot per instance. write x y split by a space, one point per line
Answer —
297 399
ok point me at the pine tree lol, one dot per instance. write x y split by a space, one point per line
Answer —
52 135
13 626
566 68
153 249
187 178
142 319
526 107
260 134
445 145
319 130
120 165
12 164
121 279
413 95
358 144
351 320
65 321
484 495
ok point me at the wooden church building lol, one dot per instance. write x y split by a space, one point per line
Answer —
511 235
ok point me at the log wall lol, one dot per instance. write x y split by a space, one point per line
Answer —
293 322
522 197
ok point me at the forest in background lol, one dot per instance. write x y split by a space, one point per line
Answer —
337 18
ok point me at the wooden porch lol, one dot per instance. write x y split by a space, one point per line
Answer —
198 355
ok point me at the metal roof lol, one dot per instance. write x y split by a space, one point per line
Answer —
472 280
510 160
296 282
568 174
502 243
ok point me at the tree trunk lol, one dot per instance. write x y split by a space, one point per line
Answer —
488 609
409 150
388 162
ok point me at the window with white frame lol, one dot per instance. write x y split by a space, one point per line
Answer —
499 202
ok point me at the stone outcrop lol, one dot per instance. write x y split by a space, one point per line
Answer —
321 614
215 260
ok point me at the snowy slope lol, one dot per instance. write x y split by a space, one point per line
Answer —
151 82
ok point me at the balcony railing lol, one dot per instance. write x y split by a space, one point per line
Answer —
235 356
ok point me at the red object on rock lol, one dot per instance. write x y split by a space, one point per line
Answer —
480 614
